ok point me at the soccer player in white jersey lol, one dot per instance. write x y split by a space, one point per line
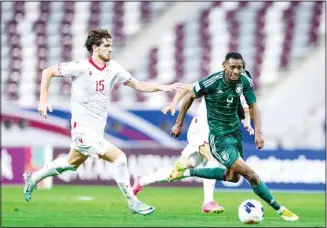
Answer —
92 81
195 154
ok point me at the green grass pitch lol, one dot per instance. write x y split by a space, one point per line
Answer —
62 206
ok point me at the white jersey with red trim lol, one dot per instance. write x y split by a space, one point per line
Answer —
243 102
90 90
201 115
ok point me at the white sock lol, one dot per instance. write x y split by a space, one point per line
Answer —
160 175
187 173
280 210
209 184
54 168
121 176
208 189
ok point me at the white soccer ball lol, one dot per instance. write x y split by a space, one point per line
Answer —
250 212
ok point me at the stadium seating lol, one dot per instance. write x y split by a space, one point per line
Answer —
270 35
33 39
282 33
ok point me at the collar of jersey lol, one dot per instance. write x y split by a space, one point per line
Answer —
93 63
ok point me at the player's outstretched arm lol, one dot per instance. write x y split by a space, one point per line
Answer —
177 128
47 75
172 106
255 115
149 87
189 87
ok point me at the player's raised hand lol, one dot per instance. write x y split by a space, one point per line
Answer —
176 130
172 87
247 126
43 108
168 108
259 142
249 129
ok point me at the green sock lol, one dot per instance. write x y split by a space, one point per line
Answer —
208 173
264 193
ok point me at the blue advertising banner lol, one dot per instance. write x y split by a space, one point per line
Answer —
301 170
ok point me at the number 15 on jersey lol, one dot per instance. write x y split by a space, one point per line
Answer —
99 85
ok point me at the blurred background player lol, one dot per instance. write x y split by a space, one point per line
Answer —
92 81
221 92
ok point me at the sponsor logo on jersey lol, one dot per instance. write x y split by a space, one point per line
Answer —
239 88
225 156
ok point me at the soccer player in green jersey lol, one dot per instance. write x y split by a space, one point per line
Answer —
221 92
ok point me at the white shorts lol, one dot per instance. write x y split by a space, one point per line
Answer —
198 132
89 144
197 135
192 153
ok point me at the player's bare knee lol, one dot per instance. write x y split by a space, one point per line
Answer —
230 179
121 159
234 178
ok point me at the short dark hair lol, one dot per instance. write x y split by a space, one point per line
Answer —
95 38
233 55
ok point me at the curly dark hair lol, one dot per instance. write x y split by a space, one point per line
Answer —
95 37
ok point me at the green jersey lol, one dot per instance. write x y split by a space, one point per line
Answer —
222 101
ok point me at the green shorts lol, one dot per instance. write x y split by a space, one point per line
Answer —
227 148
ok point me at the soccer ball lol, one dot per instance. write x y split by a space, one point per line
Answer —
250 212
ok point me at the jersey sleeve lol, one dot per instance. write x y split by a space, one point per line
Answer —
69 69
248 73
248 91
205 86
123 76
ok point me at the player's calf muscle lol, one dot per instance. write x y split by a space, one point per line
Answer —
251 176
239 167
